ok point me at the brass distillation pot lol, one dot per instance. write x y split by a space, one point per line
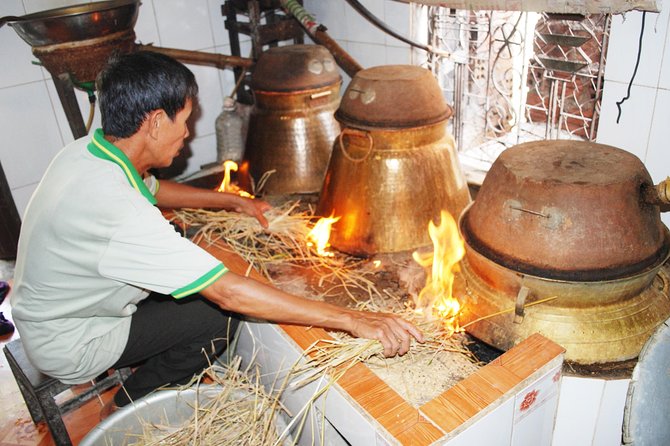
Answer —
394 166
292 125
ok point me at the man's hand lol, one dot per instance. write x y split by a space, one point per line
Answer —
253 208
392 331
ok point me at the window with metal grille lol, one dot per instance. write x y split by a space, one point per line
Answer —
513 77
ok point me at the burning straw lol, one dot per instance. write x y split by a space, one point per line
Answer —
335 356
285 241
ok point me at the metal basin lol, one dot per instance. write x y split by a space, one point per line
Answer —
568 210
167 408
75 23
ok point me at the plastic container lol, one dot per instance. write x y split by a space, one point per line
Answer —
230 132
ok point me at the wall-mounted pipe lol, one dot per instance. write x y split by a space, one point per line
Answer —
201 58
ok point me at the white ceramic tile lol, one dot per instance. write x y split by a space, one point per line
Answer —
146 28
202 151
210 99
347 417
535 410
217 22
658 151
31 136
578 406
664 77
84 109
623 47
367 55
21 196
184 24
632 131
396 16
17 57
610 418
330 14
227 76
11 7
657 160
494 429
398 55
360 29
42 5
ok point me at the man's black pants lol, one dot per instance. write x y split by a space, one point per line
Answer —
171 340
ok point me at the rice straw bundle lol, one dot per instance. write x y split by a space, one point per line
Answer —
344 351
243 413
284 241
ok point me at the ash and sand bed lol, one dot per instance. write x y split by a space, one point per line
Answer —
420 375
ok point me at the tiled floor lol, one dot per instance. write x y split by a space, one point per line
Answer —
16 427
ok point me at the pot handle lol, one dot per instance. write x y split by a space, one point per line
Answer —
359 133
657 194
9 18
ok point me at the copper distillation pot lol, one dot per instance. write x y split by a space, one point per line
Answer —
292 126
393 167
577 223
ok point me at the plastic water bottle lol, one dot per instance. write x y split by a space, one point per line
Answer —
230 136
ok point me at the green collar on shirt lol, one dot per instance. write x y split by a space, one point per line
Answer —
104 149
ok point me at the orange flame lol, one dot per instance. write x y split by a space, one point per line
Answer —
436 298
320 234
226 185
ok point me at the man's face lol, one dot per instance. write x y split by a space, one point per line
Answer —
172 135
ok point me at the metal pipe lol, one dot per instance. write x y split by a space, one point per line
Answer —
370 17
318 33
200 57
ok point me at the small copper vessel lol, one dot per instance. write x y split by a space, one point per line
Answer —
292 125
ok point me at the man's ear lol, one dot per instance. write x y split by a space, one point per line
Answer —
154 121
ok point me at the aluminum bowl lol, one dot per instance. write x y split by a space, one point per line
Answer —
75 23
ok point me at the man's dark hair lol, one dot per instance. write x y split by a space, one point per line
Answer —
133 85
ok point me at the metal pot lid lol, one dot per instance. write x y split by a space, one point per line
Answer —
78 22
295 68
645 412
393 96
567 209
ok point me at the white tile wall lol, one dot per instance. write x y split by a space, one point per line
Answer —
184 24
41 5
396 16
623 47
578 407
658 154
631 133
35 127
610 418
494 429
330 14
360 29
535 411
643 127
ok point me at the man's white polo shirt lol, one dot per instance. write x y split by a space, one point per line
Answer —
92 246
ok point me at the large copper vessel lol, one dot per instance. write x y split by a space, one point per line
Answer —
292 125
576 223
394 165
